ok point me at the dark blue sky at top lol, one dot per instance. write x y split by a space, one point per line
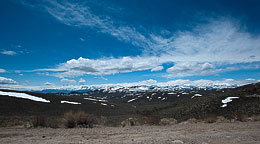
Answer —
41 41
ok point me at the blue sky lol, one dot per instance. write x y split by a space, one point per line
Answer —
97 42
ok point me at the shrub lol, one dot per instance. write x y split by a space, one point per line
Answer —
14 122
210 118
54 123
255 118
69 119
232 116
192 120
39 120
123 124
79 119
152 120
221 119
102 120
132 121
242 117
168 121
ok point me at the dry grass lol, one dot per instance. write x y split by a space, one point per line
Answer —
152 120
79 119
40 121
168 121
210 118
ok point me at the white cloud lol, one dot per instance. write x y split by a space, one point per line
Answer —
2 70
219 42
82 39
183 69
82 81
191 68
5 52
158 68
48 84
68 80
9 81
106 66
80 15
103 78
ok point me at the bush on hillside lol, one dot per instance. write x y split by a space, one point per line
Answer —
152 120
79 119
40 121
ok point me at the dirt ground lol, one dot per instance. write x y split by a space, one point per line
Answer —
216 133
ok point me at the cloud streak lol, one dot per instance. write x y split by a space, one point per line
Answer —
6 52
2 70
201 51
82 81
107 66
80 15
7 81
64 80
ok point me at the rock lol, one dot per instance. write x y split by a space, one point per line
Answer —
177 142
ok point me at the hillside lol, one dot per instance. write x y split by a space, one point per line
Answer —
180 104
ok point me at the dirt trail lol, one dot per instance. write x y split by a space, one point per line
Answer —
225 133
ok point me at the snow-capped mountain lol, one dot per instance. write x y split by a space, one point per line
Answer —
151 86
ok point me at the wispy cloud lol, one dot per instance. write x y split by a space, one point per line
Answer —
6 52
6 81
106 66
82 39
68 80
191 68
158 68
48 84
215 44
80 15
82 81
2 70
219 40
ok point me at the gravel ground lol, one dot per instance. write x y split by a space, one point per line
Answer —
216 133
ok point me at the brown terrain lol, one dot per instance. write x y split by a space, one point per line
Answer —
190 133
200 120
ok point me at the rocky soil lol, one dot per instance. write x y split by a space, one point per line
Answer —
200 133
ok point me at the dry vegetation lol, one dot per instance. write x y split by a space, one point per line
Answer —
188 133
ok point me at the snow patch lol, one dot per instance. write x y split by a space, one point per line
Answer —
95 100
68 102
227 100
196 95
132 100
103 104
24 96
